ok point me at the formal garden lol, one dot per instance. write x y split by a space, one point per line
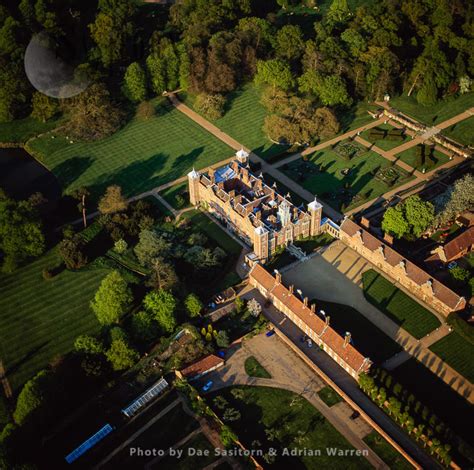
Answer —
423 157
347 175
398 306
267 417
462 132
385 136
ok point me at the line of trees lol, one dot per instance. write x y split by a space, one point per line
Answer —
416 418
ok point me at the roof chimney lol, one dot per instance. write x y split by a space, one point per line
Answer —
278 276
327 318
313 308
305 301
212 175
347 339
291 289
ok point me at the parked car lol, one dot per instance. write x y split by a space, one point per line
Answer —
208 386
355 415
310 343
270 333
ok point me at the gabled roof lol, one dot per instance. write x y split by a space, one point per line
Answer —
462 242
202 366
331 338
393 258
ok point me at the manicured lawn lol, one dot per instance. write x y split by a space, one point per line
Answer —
329 396
139 157
397 305
430 115
386 452
170 196
21 130
255 369
366 337
243 120
463 131
356 116
436 394
322 175
383 142
37 321
432 162
296 423
202 223
458 352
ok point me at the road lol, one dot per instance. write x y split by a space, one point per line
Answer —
289 372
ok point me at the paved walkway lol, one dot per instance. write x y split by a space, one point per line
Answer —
290 373
338 272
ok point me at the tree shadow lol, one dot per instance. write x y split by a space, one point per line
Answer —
71 169
26 358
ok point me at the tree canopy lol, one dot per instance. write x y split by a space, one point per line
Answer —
162 305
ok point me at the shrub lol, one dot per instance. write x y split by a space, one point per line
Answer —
145 110
211 106
120 246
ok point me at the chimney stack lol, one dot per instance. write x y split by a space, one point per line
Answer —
305 301
347 338
313 308
327 318
291 289
212 175
278 276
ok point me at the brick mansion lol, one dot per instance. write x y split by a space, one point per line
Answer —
256 212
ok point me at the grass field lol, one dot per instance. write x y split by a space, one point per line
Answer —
36 320
243 120
386 452
435 160
383 143
255 369
463 131
458 352
366 337
435 394
296 423
202 223
21 130
329 396
430 115
397 305
139 157
169 195
322 175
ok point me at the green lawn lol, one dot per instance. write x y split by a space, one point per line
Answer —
21 130
433 161
463 131
202 223
37 321
366 337
397 305
430 115
356 116
243 120
329 396
384 142
139 157
255 369
296 424
322 175
458 352
386 452
170 196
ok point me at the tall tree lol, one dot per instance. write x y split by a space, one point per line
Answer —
193 305
274 72
289 42
162 305
135 82
112 299
113 200
121 355
44 107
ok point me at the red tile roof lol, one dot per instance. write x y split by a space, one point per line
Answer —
393 258
203 365
331 338
463 242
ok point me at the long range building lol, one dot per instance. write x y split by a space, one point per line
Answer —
314 324
256 212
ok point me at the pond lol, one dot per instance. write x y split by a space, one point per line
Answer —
21 175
